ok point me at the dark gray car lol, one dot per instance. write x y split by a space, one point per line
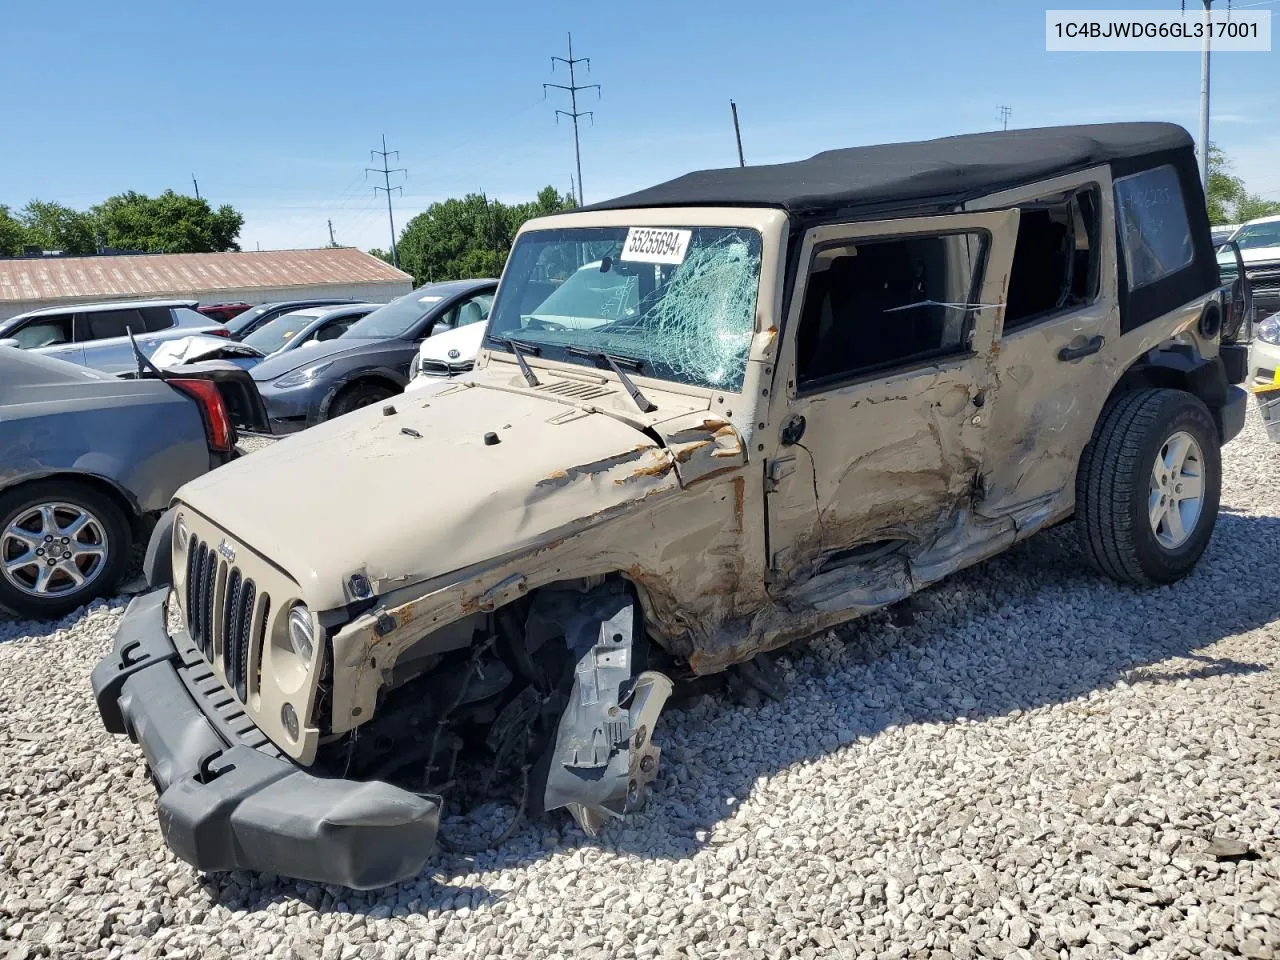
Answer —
88 461
368 363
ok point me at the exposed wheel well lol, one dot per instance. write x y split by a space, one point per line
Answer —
363 380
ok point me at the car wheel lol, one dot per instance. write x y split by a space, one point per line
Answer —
1148 487
358 395
61 545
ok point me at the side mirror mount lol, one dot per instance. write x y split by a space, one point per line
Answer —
11 342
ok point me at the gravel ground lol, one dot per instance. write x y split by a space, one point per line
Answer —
1025 761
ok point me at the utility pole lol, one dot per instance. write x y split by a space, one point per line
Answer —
737 132
573 113
1204 98
332 242
1004 116
386 172
195 184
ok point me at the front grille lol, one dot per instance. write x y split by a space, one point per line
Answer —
213 585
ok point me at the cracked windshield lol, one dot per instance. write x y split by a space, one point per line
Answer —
675 304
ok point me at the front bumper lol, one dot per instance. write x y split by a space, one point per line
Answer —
228 800
293 408
1264 369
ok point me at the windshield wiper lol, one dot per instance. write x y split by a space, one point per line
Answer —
615 362
518 349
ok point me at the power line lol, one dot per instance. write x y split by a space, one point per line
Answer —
573 113
1005 111
386 172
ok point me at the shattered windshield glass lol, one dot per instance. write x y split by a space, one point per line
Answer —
679 301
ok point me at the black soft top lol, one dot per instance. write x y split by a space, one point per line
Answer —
927 174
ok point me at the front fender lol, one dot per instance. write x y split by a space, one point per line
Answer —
388 374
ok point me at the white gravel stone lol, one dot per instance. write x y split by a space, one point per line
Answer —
1028 761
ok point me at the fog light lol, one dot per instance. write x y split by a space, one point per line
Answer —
289 717
301 632
180 533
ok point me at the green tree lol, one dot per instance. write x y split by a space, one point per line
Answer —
13 235
468 236
1228 198
169 223
54 226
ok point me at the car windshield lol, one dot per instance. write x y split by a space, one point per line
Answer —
1253 235
680 301
396 318
243 320
274 334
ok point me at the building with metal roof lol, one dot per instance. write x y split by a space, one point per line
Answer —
29 283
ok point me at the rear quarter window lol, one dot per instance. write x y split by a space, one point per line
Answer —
157 318
1154 230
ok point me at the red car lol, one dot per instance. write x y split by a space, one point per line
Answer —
222 312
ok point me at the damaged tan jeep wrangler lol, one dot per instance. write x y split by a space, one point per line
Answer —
709 418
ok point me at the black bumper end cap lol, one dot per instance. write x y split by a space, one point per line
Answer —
1232 413
244 810
140 643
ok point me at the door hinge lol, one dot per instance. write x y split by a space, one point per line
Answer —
779 469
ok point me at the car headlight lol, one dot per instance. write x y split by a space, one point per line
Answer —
1268 330
416 366
305 375
180 534
301 632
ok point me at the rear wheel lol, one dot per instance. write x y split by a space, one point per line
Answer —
61 545
1148 487
358 395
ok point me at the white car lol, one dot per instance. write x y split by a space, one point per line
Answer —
446 355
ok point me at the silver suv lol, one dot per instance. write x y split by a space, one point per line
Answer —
97 334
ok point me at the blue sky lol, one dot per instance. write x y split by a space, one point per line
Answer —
274 104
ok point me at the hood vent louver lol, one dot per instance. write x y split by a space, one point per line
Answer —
575 389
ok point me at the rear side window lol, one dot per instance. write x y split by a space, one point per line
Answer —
157 318
1153 225
102 324
1056 258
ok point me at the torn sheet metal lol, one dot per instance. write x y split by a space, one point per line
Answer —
194 349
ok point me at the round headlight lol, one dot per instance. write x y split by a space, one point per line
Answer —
301 632
180 533
1269 329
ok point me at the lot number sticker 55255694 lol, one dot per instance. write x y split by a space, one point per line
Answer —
655 245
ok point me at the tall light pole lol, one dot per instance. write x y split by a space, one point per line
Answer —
1204 98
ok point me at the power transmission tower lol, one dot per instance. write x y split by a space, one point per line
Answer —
386 172
574 113
332 242
1004 116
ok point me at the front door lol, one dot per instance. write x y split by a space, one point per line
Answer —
887 363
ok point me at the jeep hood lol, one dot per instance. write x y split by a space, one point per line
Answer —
461 476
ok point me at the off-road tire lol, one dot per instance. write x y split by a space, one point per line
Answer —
358 395
1113 485
119 545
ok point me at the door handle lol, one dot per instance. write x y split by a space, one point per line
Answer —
1090 346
